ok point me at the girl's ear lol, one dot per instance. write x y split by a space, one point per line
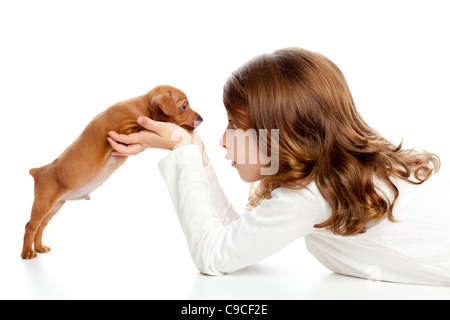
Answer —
164 102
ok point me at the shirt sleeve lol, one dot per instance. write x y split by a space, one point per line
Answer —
219 247
223 206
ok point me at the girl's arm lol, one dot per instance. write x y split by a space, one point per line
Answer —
223 206
219 246
169 136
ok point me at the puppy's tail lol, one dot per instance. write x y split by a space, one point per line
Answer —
34 172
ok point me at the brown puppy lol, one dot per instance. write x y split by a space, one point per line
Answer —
88 162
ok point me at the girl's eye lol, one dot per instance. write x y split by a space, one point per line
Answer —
231 125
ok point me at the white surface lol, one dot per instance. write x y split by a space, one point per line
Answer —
62 64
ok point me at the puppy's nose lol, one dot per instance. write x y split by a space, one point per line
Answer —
198 122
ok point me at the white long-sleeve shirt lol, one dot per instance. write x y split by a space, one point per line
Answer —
414 250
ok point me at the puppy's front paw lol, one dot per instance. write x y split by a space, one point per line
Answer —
28 254
42 249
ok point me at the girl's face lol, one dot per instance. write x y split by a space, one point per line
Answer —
243 151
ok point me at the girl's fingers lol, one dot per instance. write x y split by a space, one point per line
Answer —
125 139
149 124
116 146
124 150
160 128
162 135
133 149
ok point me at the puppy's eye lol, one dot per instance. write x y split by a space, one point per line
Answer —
184 108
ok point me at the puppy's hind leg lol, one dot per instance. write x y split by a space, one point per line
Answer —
38 246
46 203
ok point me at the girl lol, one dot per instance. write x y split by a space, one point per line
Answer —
362 203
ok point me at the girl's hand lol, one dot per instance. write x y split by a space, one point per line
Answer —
161 135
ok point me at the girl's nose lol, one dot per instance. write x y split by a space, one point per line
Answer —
223 141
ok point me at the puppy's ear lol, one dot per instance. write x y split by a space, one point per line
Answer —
165 103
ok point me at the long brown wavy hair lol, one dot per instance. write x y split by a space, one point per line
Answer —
322 137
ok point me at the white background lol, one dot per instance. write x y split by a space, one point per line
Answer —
62 62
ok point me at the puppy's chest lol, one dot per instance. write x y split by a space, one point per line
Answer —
83 193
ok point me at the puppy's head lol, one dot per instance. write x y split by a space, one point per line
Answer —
170 104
